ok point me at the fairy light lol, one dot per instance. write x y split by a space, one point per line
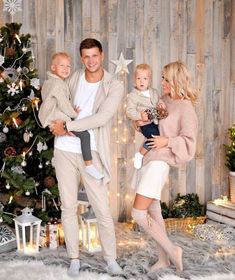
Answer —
35 101
10 199
18 38
21 85
15 122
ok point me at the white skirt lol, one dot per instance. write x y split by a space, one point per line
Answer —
152 178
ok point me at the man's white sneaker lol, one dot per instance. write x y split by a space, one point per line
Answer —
114 268
73 270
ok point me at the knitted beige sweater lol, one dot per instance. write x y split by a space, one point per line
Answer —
180 127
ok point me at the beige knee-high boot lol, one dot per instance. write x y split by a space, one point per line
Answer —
155 212
154 229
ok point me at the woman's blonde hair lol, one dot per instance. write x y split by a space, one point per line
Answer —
180 80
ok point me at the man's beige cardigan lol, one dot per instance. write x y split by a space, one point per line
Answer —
108 98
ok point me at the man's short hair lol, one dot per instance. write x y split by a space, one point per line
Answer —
89 43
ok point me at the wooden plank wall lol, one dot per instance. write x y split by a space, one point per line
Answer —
199 32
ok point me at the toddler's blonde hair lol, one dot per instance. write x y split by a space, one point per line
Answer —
59 54
143 67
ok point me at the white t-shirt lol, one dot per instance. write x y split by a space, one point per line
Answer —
84 98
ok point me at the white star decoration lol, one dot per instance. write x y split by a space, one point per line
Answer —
12 6
122 64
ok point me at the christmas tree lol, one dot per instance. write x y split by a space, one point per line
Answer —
27 175
230 149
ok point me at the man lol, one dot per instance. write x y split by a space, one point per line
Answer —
98 94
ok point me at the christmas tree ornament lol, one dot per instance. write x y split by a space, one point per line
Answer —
8 186
35 83
13 89
9 52
40 165
3 137
49 182
2 59
27 193
17 169
24 108
26 136
47 162
44 147
24 163
5 129
25 70
19 69
16 122
10 73
39 146
10 151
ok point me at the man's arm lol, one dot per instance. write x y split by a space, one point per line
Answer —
105 112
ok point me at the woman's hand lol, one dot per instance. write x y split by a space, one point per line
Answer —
157 142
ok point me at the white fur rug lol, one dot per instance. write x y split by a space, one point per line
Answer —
36 270
203 260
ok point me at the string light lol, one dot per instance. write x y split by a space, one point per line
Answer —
15 122
18 38
21 85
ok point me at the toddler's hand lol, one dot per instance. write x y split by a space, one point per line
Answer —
77 109
69 133
144 116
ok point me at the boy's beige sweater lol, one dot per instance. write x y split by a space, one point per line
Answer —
181 128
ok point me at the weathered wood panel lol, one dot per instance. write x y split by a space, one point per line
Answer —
201 33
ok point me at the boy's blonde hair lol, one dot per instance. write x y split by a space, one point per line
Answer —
59 54
141 67
180 80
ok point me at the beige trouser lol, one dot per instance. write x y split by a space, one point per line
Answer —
69 167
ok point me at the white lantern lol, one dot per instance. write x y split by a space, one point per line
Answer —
90 235
83 201
27 229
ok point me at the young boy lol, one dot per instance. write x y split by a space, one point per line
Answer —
143 105
57 105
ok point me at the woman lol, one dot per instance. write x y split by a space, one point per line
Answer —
175 145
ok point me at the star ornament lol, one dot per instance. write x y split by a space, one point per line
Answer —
121 64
